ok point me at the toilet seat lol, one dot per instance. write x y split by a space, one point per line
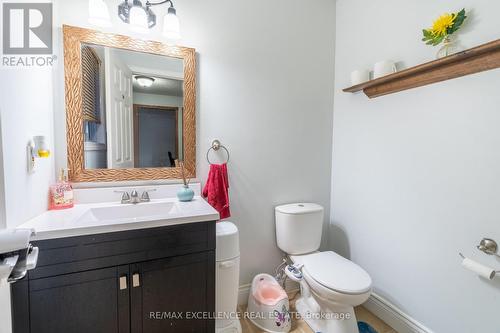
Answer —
335 273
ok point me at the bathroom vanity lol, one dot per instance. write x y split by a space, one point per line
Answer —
153 273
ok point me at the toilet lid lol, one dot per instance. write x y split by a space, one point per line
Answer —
335 272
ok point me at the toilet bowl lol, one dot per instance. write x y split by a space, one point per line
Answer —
332 285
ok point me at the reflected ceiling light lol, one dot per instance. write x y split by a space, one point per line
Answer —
144 81
99 13
141 17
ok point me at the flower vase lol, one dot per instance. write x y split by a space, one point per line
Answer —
185 194
449 47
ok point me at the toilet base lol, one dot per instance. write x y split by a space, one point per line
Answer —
327 318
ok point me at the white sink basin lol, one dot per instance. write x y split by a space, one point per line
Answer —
128 212
111 216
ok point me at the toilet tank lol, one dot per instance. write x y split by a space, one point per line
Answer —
299 227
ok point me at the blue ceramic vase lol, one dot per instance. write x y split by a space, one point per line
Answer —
185 194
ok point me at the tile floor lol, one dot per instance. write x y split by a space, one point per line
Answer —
299 326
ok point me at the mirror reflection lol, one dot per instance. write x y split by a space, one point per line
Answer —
132 108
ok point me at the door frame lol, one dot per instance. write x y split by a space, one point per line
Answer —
136 108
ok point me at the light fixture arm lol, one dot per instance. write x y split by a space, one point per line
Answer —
149 3
141 20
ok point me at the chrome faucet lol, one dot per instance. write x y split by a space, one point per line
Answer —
125 197
133 197
145 195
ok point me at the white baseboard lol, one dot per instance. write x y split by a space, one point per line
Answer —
378 305
393 316
244 290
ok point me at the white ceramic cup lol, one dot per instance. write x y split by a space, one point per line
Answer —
360 76
383 68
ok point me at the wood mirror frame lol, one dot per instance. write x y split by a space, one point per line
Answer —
73 38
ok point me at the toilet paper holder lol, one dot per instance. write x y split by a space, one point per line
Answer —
488 246
478 268
463 257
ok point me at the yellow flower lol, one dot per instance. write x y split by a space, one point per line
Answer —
441 25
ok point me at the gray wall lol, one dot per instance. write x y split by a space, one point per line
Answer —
26 110
265 89
416 174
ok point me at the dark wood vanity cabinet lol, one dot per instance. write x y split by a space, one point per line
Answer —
80 302
141 281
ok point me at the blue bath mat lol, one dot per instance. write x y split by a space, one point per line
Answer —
365 328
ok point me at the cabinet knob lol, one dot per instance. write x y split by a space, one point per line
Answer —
123 282
136 280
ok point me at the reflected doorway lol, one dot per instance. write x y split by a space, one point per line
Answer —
156 133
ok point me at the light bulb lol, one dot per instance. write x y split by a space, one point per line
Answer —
138 19
99 13
171 27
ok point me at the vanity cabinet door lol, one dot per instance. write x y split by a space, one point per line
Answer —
93 301
167 291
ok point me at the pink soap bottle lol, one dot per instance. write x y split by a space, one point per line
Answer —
61 193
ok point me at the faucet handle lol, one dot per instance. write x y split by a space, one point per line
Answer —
145 195
134 194
125 196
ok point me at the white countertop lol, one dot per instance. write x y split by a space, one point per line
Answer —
78 221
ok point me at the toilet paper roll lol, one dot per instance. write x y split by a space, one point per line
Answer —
479 269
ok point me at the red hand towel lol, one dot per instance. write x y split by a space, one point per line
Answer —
216 189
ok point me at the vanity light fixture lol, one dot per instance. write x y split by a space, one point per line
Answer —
171 26
145 81
141 17
99 13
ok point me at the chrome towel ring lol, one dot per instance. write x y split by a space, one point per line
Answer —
216 146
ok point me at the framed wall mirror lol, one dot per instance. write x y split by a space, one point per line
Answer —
130 107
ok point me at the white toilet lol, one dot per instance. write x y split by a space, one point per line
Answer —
332 285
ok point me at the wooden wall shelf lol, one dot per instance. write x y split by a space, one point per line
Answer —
478 59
